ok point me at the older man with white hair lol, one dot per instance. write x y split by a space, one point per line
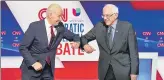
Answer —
40 42
117 42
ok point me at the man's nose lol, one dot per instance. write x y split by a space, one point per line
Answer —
105 18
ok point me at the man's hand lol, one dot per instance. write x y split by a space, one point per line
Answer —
75 45
88 48
37 66
133 77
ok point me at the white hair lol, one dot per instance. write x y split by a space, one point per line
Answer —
52 8
114 8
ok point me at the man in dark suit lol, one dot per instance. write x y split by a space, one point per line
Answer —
117 43
40 42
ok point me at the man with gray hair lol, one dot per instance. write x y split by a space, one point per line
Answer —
40 42
117 42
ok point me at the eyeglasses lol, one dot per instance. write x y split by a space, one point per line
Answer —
107 15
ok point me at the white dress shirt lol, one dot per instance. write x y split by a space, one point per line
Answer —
48 30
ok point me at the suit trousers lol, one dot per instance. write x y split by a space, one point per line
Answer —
110 74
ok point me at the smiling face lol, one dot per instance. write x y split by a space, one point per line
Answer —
109 14
54 13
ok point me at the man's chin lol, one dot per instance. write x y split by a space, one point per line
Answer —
107 24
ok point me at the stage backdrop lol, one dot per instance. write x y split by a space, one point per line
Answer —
79 17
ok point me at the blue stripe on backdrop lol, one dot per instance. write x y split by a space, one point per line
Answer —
11 32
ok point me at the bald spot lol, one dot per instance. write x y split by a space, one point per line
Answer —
54 8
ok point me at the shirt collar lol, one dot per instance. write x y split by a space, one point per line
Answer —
46 22
114 24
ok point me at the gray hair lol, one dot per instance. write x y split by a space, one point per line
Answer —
114 8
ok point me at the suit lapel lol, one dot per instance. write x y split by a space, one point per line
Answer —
104 38
44 35
59 30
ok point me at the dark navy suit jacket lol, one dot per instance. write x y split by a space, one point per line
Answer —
34 46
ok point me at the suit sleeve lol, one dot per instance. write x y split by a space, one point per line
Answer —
133 49
71 36
91 35
25 45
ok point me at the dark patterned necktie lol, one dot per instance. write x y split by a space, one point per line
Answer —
51 40
110 35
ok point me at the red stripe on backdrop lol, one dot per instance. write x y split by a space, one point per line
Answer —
78 70
148 5
73 70
158 76
10 74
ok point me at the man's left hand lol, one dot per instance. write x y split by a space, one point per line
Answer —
133 77
75 45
